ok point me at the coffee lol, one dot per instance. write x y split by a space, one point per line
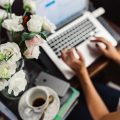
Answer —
38 102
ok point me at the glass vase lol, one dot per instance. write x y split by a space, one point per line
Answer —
10 96
20 65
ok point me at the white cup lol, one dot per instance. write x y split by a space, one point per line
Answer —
37 100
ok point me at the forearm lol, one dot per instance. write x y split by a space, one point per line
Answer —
112 116
95 104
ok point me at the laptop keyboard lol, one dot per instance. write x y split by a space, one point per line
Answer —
73 36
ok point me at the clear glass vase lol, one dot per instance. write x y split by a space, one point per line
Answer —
10 96
20 65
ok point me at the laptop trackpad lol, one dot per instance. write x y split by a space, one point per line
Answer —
89 52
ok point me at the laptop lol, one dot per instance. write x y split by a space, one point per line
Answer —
75 26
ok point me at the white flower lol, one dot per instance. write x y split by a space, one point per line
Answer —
3 84
13 24
32 52
3 14
12 50
17 83
7 69
35 41
35 23
11 15
6 3
29 5
19 19
48 26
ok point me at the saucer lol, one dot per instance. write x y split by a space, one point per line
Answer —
49 113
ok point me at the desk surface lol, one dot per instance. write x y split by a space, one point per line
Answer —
94 69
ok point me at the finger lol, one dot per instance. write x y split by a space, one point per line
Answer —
101 48
80 55
106 44
100 39
70 53
103 40
64 54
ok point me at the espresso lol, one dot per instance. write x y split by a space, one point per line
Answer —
38 102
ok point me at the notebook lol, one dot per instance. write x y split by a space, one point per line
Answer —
75 26
68 106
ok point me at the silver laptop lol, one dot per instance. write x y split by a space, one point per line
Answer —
75 26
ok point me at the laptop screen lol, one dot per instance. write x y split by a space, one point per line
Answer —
60 11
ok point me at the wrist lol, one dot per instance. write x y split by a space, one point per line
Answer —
83 73
84 78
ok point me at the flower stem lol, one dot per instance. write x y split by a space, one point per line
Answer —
10 9
0 31
13 35
25 13
20 43
7 9
10 12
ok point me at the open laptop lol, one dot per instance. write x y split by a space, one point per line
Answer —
75 26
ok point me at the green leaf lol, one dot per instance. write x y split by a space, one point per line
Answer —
43 35
27 8
26 36
7 6
2 57
7 57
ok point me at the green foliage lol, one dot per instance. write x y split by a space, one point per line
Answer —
26 36
5 57
43 35
2 57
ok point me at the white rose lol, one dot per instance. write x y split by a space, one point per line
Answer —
29 5
7 69
3 84
11 15
10 49
35 23
48 26
32 52
35 41
6 3
17 83
14 24
3 14
19 19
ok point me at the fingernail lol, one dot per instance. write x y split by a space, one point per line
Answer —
96 45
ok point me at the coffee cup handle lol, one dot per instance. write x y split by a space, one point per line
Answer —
28 111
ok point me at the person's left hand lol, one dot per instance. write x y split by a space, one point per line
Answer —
78 65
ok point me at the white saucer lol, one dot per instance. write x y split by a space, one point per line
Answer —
50 112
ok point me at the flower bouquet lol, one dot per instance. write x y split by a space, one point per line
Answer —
26 33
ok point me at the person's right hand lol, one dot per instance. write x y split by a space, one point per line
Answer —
110 51
78 65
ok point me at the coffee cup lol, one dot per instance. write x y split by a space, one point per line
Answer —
37 100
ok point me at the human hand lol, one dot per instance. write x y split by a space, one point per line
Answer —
78 65
110 51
